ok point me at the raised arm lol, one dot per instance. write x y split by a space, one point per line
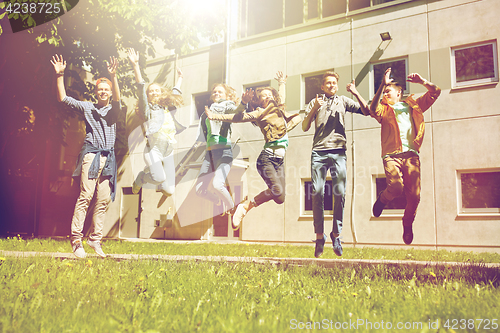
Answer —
376 99
133 57
433 91
59 67
180 76
314 107
281 78
416 78
351 87
112 66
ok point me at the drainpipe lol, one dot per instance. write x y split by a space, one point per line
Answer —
227 38
353 196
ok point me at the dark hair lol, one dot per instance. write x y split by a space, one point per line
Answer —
254 103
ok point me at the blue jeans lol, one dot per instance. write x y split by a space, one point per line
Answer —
322 161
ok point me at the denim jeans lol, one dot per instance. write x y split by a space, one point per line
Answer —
322 161
272 170
215 168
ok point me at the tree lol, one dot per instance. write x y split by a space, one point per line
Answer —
87 35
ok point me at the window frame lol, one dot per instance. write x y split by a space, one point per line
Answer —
387 212
373 89
243 19
473 212
309 213
194 118
303 100
469 83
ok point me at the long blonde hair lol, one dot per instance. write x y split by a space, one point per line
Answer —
166 99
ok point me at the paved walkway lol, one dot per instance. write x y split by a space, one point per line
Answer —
329 263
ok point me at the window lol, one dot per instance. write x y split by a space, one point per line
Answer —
200 101
358 4
333 7
260 16
474 64
293 12
328 198
399 72
254 86
479 192
394 207
312 86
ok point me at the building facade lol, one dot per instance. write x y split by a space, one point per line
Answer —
452 43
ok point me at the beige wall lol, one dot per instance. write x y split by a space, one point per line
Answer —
462 128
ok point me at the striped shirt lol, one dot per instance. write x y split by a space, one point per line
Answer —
100 123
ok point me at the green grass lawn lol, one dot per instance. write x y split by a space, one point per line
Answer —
41 294
53 295
246 250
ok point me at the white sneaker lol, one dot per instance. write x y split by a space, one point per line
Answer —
238 216
78 249
96 245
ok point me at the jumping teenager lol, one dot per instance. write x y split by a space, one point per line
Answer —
159 127
402 135
96 164
274 123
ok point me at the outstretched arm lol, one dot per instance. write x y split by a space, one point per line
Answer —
318 103
59 67
241 117
133 57
112 66
351 87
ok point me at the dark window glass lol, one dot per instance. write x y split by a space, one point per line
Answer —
396 203
480 190
200 101
378 2
313 87
398 72
475 63
328 199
